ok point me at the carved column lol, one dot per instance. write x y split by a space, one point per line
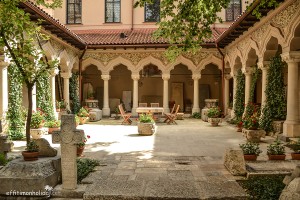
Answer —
226 87
106 109
166 78
52 85
248 76
233 75
264 68
3 86
291 126
196 78
66 76
135 78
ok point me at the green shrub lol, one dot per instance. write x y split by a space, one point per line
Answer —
214 112
276 148
84 167
3 160
264 187
146 118
250 148
196 115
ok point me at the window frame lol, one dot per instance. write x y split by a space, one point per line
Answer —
233 9
80 10
113 2
145 6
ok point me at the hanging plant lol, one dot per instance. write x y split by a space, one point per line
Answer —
239 95
74 93
15 115
44 100
275 105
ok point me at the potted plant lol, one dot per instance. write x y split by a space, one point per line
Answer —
77 120
251 123
37 122
52 125
63 105
146 125
57 106
90 96
31 152
81 145
213 115
295 146
83 115
250 150
276 151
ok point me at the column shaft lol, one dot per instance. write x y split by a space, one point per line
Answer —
106 109
293 97
52 85
135 97
264 82
66 92
226 95
196 96
247 87
234 92
4 90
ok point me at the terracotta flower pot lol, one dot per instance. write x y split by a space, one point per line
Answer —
30 156
295 156
80 151
50 130
82 120
251 157
276 157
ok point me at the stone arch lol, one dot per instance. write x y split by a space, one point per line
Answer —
64 61
237 56
118 61
210 59
150 60
271 32
252 45
75 63
182 60
251 58
92 61
293 38
49 50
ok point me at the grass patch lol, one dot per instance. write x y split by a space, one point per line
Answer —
84 167
264 187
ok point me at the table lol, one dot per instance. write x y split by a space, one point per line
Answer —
150 110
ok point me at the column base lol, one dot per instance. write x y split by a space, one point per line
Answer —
133 112
106 112
291 129
195 110
167 110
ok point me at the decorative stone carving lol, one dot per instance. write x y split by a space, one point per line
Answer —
259 34
5 144
243 44
196 76
253 135
292 56
277 127
292 188
57 46
105 77
135 77
166 77
45 149
234 162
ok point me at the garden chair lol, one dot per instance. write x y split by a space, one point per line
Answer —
170 117
126 116
173 109
154 104
143 105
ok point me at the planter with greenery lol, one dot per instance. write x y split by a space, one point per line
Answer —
213 115
31 152
81 146
146 125
251 150
276 151
37 122
52 125
83 115
295 146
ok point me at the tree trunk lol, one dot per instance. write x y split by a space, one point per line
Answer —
29 111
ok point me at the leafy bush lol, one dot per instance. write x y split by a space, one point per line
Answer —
84 167
53 124
214 112
32 146
196 115
294 145
37 118
239 97
250 148
146 118
276 148
3 160
264 187
83 112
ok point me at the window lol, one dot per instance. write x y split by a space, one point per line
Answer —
152 11
73 11
113 11
234 10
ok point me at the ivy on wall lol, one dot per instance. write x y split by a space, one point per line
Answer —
44 100
74 93
275 105
15 115
239 95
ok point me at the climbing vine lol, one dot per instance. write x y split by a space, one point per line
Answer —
251 108
74 93
15 116
275 105
44 101
239 95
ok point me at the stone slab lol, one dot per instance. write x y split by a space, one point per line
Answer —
59 192
234 161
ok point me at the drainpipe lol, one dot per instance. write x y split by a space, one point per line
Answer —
223 79
132 11
80 73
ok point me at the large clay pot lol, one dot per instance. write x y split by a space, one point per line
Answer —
36 133
214 121
82 120
30 156
50 130
295 156
251 157
80 151
276 157
146 128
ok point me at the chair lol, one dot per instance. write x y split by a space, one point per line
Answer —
154 104
173 109
143 105
170 118
126 116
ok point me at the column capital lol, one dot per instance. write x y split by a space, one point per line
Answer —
135 77
165 76
263 65
196 76
54 72
228 76
105 77
66 75
3 62
292 56
248 71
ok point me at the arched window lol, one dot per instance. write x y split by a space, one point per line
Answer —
112 10
73 11
152 11
234 10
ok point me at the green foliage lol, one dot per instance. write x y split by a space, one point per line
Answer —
250 148
83 112
32 146
74 93
214 112
253 84
84 167
179 26
15 115
251 122
294 145
264 4
239 95
44 100
146 118
37 118
53 124
196 115
3 160
276 148
275 105
264 187
82 144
